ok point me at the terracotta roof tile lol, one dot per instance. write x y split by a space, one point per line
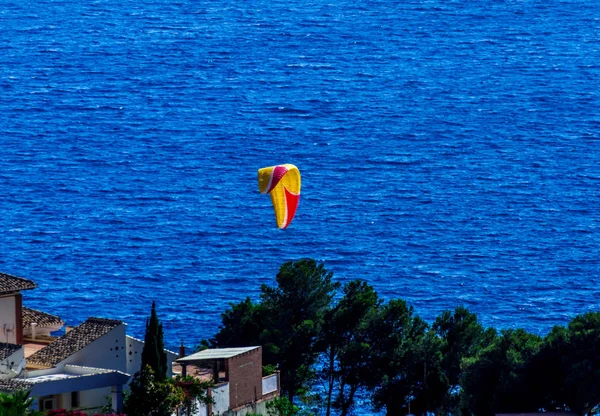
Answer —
10 283
6 350
41 318
13 384
73 341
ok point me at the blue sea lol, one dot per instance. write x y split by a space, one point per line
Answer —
449 152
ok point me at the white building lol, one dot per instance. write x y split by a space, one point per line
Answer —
11 309
84 369
38 326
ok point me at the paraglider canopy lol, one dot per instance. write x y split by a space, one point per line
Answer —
283 183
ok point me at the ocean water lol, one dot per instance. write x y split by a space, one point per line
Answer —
449 152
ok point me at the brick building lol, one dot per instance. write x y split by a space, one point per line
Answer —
240 386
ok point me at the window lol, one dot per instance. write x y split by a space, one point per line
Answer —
75 399
48 403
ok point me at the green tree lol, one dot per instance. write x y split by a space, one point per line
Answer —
498 378
346 344
567 368
153 353
16 404
282 406
194 391
430 383
287 322
151 396
399 374
241 325
549 370
462 336
293 313
583 370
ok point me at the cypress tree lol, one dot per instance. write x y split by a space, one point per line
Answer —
153 353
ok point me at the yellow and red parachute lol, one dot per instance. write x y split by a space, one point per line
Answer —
283 183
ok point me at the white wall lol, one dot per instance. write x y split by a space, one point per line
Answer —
220 408
201 410
94 399
134 355
89 400
108 351
41 330
94 388
171 357
64 400
259 408
220 395
8 320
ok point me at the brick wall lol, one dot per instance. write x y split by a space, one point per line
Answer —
245 378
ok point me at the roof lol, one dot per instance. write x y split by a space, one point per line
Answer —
13 384
43 319
55 381
10 283
73 341
73 371
217 353
6 350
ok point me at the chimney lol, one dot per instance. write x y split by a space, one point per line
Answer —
33 330
181 355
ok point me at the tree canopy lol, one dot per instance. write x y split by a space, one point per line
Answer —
352 345
153 353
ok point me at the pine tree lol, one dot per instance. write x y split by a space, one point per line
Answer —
153 353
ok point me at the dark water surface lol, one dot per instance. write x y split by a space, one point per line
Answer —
449 152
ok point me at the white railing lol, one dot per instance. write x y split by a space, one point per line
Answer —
269 383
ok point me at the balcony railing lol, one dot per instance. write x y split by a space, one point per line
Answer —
270 383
